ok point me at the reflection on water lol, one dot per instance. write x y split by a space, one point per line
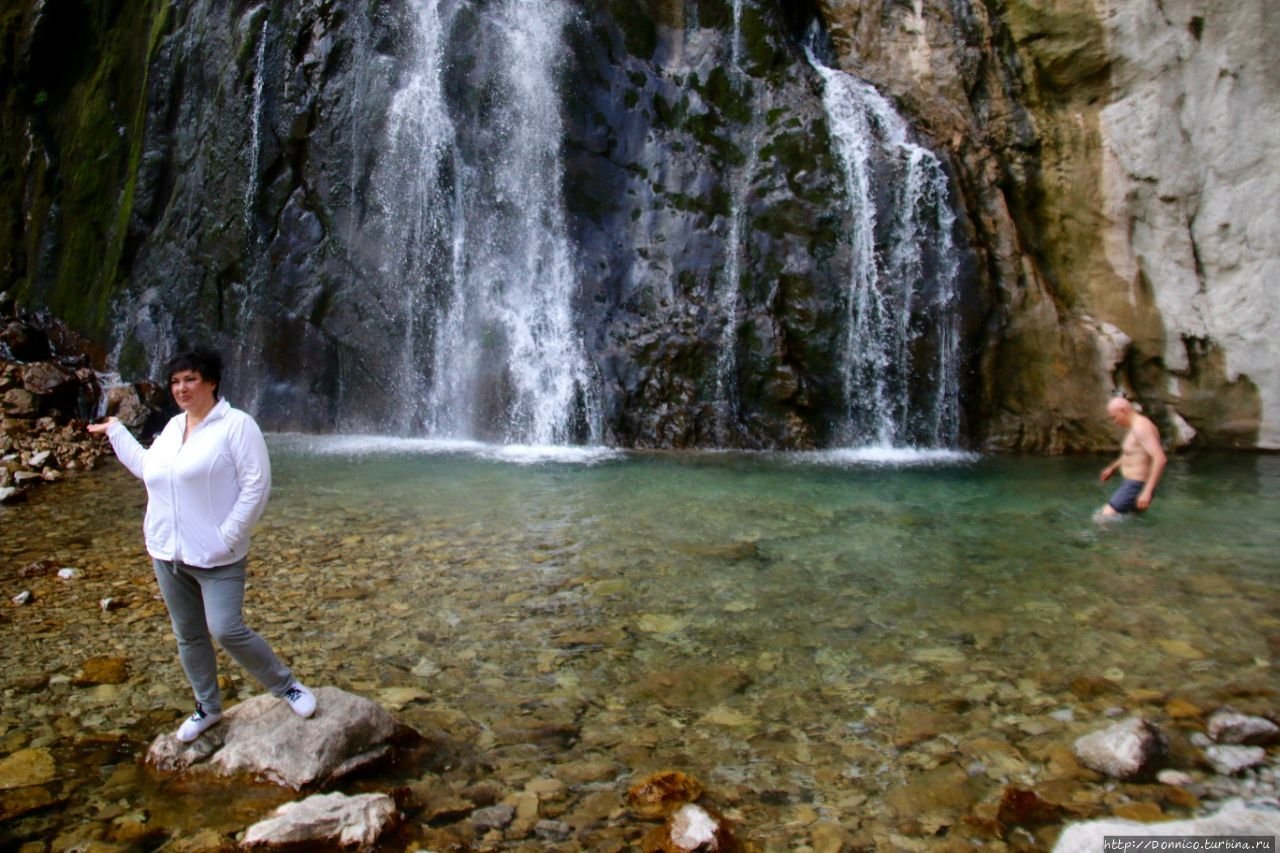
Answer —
818 637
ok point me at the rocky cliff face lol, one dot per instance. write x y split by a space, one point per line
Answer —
1125 147
212 173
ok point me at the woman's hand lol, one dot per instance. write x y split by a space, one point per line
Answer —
101 429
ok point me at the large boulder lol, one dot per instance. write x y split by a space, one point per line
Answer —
262 737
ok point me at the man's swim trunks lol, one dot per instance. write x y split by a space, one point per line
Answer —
1126 497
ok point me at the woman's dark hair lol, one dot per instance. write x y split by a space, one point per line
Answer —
206 362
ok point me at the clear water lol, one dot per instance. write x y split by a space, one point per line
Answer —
771 624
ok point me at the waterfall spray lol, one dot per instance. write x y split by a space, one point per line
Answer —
479 266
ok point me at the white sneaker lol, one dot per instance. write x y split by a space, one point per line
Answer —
194 726
300 699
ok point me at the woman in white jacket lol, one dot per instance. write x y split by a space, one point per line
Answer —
207 476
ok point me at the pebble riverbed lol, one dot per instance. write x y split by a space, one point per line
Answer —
841 665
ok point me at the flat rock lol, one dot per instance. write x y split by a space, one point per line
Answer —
263 737
1236 817
27 767
1231 759
355 821
1230 726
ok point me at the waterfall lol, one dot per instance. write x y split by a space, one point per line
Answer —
901 337
477 255
727 291
414 187
255 141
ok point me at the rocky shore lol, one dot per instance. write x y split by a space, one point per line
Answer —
49 390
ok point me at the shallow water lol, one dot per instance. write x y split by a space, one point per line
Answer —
819 638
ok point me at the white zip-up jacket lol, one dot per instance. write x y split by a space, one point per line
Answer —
205 494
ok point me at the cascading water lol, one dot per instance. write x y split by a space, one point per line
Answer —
900 353
255 142
727 292
476 237
415 188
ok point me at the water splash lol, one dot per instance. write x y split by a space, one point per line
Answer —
508 362
900 349
414 187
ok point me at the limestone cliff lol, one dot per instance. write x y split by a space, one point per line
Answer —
1128 199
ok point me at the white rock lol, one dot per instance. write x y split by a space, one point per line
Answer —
67 573
1123 750
1230 726
1229 760
326 818
1176 778
23 597
693 828
1235 818
38 459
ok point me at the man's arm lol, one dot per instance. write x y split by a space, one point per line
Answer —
1110 469
1149 437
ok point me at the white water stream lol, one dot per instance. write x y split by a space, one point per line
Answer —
900 350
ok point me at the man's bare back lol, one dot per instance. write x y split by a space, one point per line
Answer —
1141 461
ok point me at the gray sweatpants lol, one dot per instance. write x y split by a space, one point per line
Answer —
205 605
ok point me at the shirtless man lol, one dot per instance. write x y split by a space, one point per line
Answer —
1141 461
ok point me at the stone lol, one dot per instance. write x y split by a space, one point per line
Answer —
38 569
1024 807
11 495
691 828
102 670
349 821
20 403
19 801
1230 726
264 738
1232 759
1236 817
947 790
1124 751
497 816
24 597
660 794
27 767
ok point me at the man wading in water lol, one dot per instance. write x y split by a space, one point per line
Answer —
1141 461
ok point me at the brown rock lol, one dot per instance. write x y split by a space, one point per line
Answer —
102 670
945 789
1024 807
1181 709
920 724
1092 687
693 686
38 569
27 767
20 403
662 793
44 378
24 800
1141 812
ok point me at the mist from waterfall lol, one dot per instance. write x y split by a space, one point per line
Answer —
901 335
479 265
